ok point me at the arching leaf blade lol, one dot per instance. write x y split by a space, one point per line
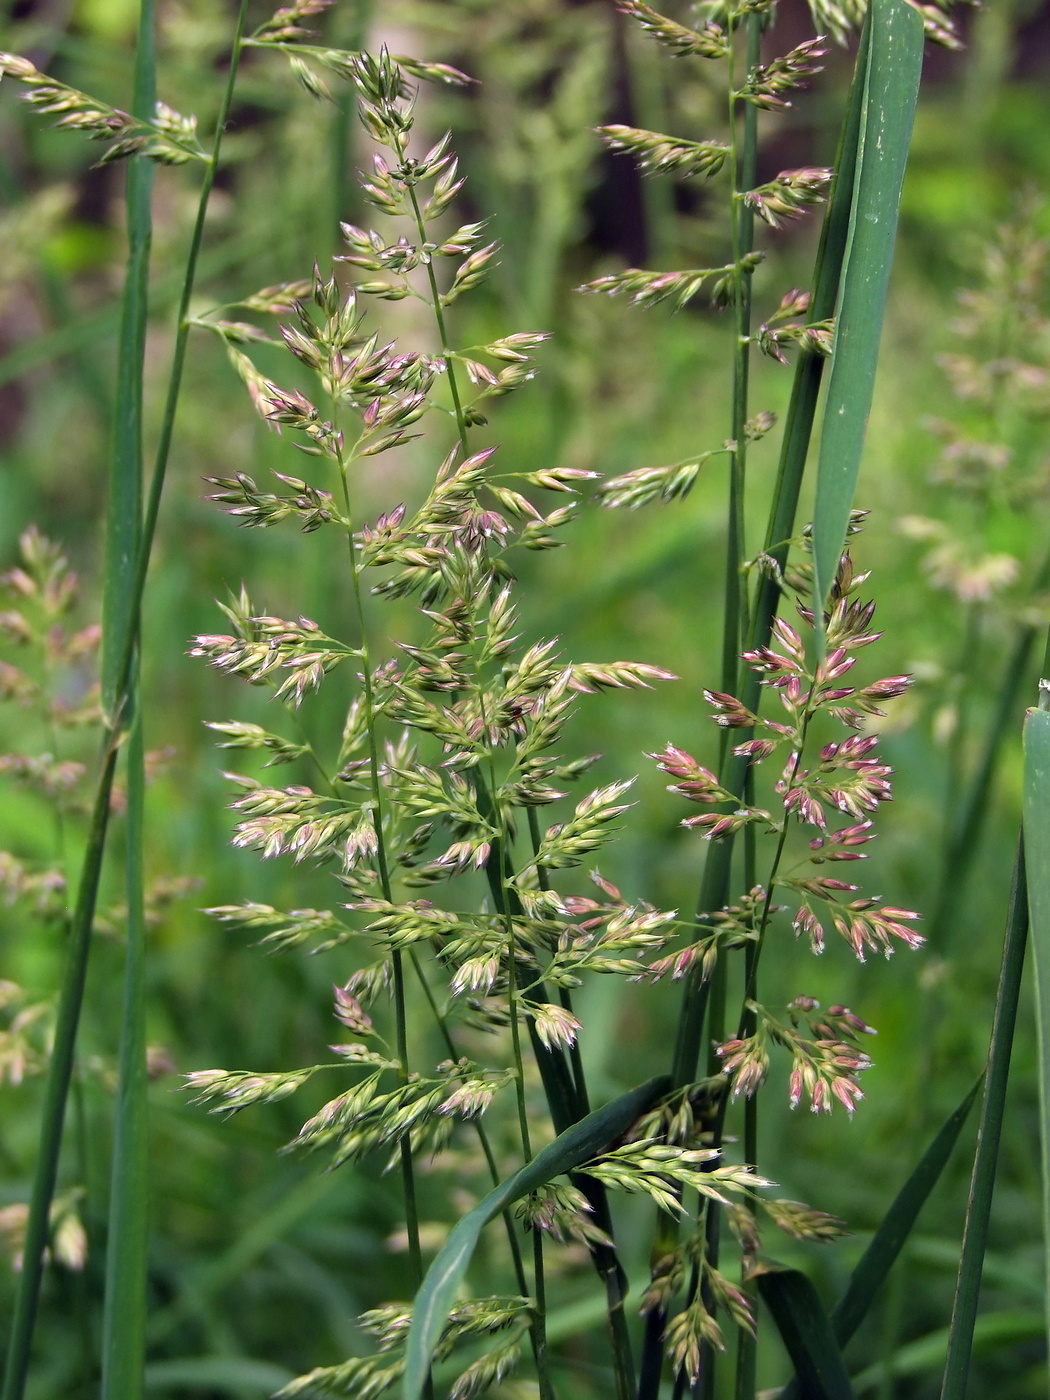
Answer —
576 1145
896 1225
807 1333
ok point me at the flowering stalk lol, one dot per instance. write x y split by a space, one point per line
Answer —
473 717
762 87
370 719
848 777
464 691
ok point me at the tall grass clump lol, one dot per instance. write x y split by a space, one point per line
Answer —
154 132
159 133
466 936
441 835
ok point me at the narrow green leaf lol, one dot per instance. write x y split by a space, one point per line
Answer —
896 1225
982 1179
991 1332
124 522
577 1144
1037 852
124 1310
891 87
78 947
807 1333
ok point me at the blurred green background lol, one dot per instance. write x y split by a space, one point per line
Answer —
261 1261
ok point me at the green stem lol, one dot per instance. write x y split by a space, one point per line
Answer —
982 1182
479 1127
400 1010
798 429
439 318
45 1174
539 1320
546 1384
71 996
743 165
453 1052
552 1067
566 1092
565 1097
125 1315
707 997
182 330
125 1308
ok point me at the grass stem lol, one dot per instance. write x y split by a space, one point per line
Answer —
982 1182
125 1305
71 995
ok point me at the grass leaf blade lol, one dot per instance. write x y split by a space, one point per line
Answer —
125 1308
891 88
807 1333
895 1227
580 1142
1037 850
124 519
982 1180
77 954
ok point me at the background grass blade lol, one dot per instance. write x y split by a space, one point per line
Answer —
580 1142
982 1181
897 1224
124 1311
992 1332
965 836
807 1333
891 88
895 1227
71 995
1037 848
124 522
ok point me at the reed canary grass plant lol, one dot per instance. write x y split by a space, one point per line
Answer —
467 942
156 132
451 748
